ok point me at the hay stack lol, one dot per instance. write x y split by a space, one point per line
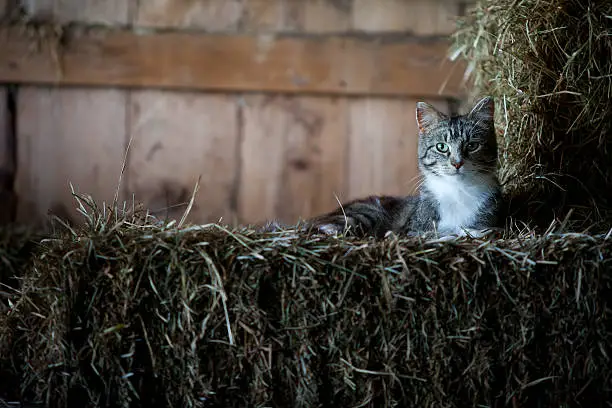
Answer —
16 246
125 313
548 63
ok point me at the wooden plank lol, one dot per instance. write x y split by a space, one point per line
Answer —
435 17
261 159
382 147
67 135
178 137
7 164
330 153
6 160
343 65
107 12
292 157
217 15
326 16
314 156
420 17
263 16
284 16
209 15
381 15
292 15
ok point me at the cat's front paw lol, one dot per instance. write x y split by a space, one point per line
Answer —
329 229
477 233
443 238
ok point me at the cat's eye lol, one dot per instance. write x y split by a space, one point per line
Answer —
473 146
442 147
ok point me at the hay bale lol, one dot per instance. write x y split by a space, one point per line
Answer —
17 247
547 62
17 244
127 313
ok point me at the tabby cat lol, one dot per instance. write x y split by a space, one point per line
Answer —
459 195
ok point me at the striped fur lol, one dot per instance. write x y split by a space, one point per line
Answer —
460 192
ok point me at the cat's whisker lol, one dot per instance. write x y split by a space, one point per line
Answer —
417 177
417 185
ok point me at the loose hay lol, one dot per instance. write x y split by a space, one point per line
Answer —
16 243
131 313
16 248
548 63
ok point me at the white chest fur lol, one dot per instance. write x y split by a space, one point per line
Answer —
460 201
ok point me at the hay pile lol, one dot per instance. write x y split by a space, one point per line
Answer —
17 244
548 63
130 313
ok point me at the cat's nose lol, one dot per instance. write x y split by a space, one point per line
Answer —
457 164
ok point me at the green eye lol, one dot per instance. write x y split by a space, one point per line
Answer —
473 146
442 147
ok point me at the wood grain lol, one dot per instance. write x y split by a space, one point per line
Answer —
381 15
107 12
209 15
420 17
325 16
177 137
292 157
222 16
434 17
314 156
67 136
264 16
329 65
261 159
332 155
382 147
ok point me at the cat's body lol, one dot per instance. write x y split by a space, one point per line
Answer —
460 192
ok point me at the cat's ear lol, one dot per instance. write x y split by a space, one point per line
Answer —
427 116
483 110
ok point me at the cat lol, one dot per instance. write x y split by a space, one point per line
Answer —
460 191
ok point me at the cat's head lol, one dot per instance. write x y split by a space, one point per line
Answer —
457 146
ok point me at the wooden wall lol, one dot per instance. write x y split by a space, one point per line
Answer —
278 105
7 159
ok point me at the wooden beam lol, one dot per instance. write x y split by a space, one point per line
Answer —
345 65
